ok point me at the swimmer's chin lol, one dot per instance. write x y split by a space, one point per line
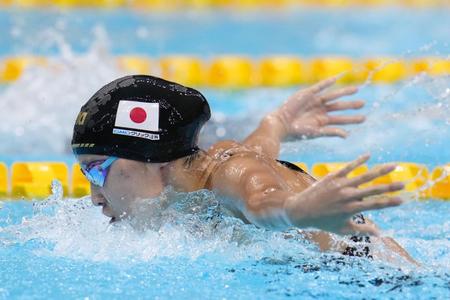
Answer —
113 220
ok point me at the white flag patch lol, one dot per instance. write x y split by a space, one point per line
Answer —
138 115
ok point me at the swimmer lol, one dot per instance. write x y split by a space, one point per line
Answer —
139 134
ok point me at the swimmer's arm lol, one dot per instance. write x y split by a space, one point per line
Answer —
328 204
394 249
304 115
267 137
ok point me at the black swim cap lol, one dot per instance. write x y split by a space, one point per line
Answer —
141 118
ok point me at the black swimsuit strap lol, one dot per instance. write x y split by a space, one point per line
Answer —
291 166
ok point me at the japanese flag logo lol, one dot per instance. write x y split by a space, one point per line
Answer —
138 115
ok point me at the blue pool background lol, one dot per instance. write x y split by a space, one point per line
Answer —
65 248
297 30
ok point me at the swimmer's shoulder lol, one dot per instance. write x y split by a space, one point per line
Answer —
221 147
246 162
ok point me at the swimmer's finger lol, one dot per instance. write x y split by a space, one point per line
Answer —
372 174
378 189
346 91
320 86
342 120
333 131
353 165
344 105
374 203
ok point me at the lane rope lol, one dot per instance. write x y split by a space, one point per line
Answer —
237 71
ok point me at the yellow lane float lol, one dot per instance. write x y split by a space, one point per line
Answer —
3 180
186 70
13 67
32 3
89 3
231 72
440 183
233 4
320 170
329 3
134 64
200 3
33 179
240 3
160 5
370 2
413 175
80 185
385 70
423 3
245 4
326 67
282 71
5 2
434 66
240 72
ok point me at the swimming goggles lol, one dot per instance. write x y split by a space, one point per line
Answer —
97 171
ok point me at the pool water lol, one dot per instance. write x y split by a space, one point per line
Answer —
188 248
66 249
298 30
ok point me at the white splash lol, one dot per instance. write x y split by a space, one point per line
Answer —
189 225
38 110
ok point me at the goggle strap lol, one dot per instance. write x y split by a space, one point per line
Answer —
108 162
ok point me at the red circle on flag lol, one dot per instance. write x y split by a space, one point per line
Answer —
138 115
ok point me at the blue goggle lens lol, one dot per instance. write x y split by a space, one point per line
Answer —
97 171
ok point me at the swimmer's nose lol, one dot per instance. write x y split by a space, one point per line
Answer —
97 198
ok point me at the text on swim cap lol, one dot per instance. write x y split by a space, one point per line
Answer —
138 134
81 118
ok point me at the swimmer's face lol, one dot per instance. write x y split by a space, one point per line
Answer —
127 182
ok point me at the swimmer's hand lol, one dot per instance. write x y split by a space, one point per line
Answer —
330 202
305 114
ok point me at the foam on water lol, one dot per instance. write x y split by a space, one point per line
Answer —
173 225
38 110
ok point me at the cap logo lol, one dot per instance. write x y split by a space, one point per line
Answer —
138 115
81 118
